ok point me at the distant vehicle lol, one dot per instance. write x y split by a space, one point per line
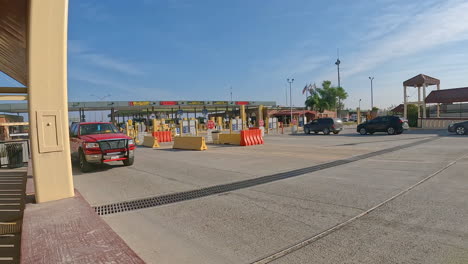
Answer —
390 124
99 142
325 125
460 128
344 119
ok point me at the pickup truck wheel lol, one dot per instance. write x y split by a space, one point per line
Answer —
326 131
362 131
129 161
85 166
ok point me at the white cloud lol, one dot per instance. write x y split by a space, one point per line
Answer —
78 50
433 26
76 47
127 91
109 63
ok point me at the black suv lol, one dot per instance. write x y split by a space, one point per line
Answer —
325 125
390 124
460 128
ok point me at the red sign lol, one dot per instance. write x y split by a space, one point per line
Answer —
210 124
261 122
242 103
168 103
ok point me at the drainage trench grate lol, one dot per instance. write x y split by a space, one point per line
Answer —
222 188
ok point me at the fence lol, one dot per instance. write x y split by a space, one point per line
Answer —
449 110
14 154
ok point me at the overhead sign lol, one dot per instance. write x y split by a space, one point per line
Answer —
220 102
138 103
195 102
168 103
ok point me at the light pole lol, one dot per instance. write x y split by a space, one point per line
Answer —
372 92
290 81
337 63
359 103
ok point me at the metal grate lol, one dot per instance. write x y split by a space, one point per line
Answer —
112 144
12 198
217 189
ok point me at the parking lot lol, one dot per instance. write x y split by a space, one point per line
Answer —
300 198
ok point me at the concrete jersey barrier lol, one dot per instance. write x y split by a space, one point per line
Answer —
190 143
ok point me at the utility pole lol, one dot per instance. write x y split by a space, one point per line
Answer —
290 81
372 92
231 93
337 63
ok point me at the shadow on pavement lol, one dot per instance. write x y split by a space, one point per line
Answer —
96 168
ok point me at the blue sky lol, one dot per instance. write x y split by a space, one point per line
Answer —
196 50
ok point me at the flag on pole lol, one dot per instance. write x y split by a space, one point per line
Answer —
305 88
311 88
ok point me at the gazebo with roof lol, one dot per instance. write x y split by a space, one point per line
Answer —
419 81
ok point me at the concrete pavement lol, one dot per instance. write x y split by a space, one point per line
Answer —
247 224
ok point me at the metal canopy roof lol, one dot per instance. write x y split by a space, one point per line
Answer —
448 96
420 80
139 105
13 39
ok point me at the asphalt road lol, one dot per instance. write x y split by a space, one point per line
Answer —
426 224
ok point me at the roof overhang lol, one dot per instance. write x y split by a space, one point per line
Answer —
421 80
13 39
448 96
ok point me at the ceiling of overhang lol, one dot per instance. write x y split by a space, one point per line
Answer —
13 28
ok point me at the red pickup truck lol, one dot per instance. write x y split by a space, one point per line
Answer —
99 142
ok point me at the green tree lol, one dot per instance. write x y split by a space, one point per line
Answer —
313 101
326 98
412 115
342 95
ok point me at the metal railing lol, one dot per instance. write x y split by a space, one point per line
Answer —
14 153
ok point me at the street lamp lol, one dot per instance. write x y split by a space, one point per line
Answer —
337 63
371 92
290 81
359 103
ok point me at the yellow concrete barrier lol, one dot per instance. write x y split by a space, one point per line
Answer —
150 141
231 139
191 143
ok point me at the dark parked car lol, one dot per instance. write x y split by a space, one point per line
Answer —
325 125
390 124
460 128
